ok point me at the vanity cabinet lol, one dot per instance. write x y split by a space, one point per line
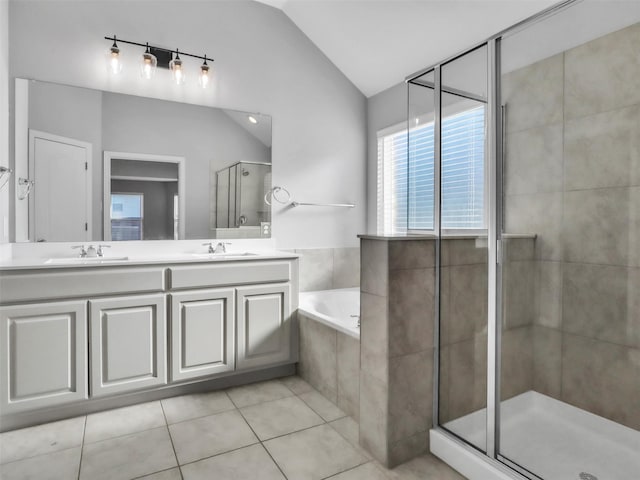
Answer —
44 355
128 343
264 324
84 334
202 333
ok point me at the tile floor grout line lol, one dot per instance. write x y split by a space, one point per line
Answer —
84 433
262 445
347 470
166 425
154 473
202 416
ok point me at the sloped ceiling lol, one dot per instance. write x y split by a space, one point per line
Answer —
377 43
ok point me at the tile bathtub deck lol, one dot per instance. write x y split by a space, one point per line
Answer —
275 430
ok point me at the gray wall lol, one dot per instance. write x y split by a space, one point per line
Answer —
263 63
4 118
385 109
73 113
206 137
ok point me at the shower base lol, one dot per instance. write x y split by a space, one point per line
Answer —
550 438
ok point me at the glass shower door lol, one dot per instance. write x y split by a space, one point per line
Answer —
570 339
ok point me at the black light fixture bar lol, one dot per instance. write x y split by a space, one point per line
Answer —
145 45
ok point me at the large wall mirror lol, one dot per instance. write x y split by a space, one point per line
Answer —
104 166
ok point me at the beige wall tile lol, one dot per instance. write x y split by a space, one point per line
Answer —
533 160
467 376
599 74
533 94
411 254
374 416
519 300
466 314
408 449
410 395
517 249
599 301
603 150
602 378
316 269
464 251
547 361
597 226
348 366
540 214
317 364
549 294
346 267
374 335
411 310
374 266
517 362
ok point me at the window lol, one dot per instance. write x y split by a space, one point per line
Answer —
127 216
405 175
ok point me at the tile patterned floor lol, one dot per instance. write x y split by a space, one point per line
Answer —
276 430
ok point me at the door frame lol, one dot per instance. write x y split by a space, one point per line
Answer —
35 134
143 157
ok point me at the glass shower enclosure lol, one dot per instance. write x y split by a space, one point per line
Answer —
538 316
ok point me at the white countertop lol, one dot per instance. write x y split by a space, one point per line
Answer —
155 259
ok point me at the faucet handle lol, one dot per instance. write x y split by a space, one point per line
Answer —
83 250
100 247
210 244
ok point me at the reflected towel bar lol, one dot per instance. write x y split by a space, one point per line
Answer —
345 205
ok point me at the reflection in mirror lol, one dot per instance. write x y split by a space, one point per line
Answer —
109 166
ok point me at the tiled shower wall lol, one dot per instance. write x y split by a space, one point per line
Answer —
572 176
329 268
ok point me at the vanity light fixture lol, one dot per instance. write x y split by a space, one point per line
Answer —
148 64
252 119
176 69
154 57
114 63
203 79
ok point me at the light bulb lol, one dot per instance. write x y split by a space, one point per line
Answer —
203 79
148 64
252 119
177 69
114 63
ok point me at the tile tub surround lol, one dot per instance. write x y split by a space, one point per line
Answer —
329 360
328 268
579 156
279 434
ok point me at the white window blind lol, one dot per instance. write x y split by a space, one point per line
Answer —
406 181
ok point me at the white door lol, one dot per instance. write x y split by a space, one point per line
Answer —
61 196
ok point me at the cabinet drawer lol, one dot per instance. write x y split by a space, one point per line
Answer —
226 274
36 285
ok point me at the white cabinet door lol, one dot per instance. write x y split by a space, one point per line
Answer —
128 343
44 355
202 333
264 325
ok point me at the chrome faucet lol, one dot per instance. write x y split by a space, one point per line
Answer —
221 247
100 252
83 250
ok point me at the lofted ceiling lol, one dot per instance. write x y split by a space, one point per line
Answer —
377 43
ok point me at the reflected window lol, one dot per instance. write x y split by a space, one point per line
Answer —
127 216
406 183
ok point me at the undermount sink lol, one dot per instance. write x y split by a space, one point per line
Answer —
224 255
84 260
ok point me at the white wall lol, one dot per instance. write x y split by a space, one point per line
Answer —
4 117
262 63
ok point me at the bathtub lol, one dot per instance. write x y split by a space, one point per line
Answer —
338 309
